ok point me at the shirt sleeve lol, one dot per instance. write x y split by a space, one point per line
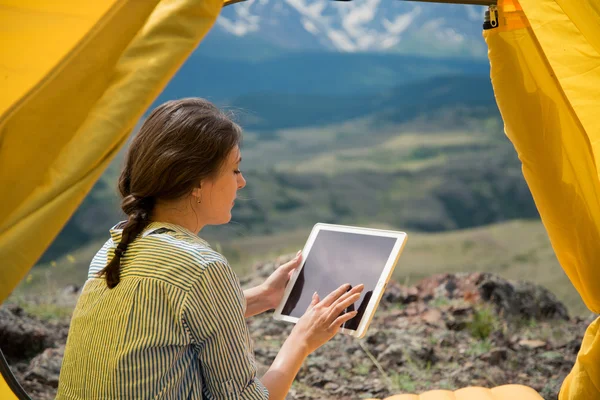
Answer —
213 314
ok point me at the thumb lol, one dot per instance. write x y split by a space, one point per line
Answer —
294 262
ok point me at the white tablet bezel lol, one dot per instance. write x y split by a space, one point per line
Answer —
385 276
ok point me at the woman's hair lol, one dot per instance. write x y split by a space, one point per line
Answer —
181 143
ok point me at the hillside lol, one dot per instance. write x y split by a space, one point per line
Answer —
513 250
423 155
432 181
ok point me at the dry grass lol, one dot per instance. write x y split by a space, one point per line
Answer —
517 250
390 155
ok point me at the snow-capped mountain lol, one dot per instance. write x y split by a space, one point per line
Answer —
357 26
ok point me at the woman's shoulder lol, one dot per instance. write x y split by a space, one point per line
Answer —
178 243
181 249
101 258
172 252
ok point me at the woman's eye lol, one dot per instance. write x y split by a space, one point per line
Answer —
237 172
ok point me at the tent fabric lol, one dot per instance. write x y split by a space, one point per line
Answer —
70 101
505 392
91 69
546 79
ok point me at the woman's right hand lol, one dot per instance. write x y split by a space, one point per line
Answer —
322 319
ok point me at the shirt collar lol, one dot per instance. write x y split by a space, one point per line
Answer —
117 231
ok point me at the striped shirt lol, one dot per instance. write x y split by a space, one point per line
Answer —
173 328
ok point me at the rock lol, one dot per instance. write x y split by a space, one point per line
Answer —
375 337
499 339
513 299
455 324
532 344
433 316
397 294
412 295
522 300
446 342
70 290
45 367
461 311
22 337
426 354
551 388
394 317
321 379
394 294
553 358
573 346
495 356
540 302
449 286
392 357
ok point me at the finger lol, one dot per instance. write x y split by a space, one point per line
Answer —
343 319
336 310
293 263
333 296
354 290
314 301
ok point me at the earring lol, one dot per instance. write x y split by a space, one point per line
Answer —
199 199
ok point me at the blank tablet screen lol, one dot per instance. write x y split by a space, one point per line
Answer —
336 258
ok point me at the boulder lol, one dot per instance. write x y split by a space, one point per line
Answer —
45 367
22 337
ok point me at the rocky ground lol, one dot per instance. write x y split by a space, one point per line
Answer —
447 332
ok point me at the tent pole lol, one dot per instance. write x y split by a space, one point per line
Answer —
470 2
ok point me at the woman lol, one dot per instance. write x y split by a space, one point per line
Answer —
162 314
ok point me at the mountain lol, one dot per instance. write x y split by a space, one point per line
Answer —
277 26
424 138
271 111
309 73
330 48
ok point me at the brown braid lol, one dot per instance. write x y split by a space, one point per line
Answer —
139 210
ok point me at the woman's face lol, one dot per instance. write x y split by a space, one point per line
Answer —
219 193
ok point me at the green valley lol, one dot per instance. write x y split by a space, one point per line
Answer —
426 158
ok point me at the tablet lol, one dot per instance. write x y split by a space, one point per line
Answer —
335 255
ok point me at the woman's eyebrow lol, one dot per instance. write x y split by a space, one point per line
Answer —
240 160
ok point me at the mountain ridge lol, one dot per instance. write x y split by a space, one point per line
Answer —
367 25
277 110
323 73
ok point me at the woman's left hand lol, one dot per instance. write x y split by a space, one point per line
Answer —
274 286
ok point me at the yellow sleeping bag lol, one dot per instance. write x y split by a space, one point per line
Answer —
505 392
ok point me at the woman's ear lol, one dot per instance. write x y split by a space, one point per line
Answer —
197 192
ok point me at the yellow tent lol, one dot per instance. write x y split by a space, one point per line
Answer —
91 68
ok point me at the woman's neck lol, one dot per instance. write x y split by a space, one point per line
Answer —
177 213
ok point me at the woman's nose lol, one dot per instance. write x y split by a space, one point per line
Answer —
242 182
